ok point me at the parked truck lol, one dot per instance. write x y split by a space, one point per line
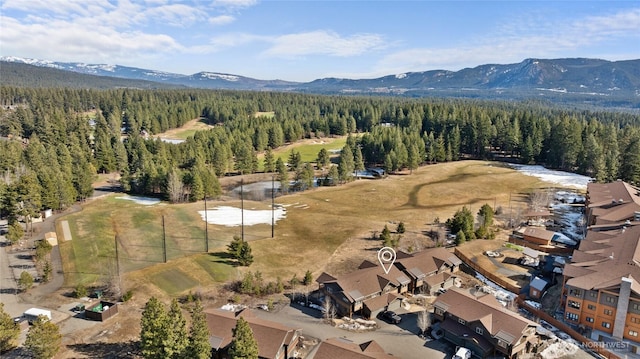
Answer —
32 314
462 353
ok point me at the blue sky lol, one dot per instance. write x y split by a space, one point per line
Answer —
306 40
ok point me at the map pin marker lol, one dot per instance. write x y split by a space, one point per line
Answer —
386 257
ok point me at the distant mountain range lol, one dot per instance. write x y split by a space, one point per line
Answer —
573 80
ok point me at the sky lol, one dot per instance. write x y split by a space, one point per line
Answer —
306 40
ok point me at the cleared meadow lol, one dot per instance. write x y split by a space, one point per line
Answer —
320 224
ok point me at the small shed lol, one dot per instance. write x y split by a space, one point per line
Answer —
531 252
537 287
101 311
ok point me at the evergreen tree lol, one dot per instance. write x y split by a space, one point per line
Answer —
346 164
283 175
199 347
333 176
176 340
485 216
358 161
400 229
243 345
44 339
245 258
269 163
295 160
308 278
462 220
15 232
153 328
323 160
9 331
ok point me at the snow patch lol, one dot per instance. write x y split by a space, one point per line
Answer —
232 216
401 76
559 349
566 179
216 76
147 201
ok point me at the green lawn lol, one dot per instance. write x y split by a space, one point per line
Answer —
173 281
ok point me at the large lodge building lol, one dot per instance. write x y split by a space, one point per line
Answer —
601 288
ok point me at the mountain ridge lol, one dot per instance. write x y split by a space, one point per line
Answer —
564 79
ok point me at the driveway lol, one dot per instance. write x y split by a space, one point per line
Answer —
400 340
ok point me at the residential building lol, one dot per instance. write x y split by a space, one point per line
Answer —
370 290
601 292
479 322
275 341
343 348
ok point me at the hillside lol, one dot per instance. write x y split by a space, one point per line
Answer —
575 82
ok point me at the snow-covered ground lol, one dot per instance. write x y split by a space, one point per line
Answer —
171 140
147 201
570 218
232 216
566 179
501 294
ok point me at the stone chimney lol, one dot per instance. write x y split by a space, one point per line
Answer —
623 306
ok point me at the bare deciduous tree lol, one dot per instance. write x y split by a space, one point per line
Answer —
424 320
540 199
175 187
329 309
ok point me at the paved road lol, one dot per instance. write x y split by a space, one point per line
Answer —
400 340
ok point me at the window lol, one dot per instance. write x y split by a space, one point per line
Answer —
592 294
591 307
635 306
575 292
439 311
633 333
610 299
608 312
479 330
606 325
572 316
574 305
635 320
502 343
589 319
462 321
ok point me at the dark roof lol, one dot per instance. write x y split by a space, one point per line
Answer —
341 348
270 336
498 321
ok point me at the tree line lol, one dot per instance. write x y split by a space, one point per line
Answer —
56 140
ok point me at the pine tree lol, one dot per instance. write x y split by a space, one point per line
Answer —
152 329
175 340
308 278
199 347
323 159
26 281
44 339
9 331
283 175
243 345
269 164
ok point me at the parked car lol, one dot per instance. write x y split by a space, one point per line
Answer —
390 317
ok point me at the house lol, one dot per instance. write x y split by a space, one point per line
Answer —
537 287
275 341
343 348
369 290
483 325
538 235
612 204
430 270
601 288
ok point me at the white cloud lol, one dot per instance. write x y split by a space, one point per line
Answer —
63 7
235 4
323 42
221 20
516 41
174 15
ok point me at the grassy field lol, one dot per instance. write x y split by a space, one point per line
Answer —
321 224
186 130
308 149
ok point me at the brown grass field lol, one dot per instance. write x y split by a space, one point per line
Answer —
326 229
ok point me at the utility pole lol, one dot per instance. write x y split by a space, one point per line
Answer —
272 204
242 208
164 240
206 226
